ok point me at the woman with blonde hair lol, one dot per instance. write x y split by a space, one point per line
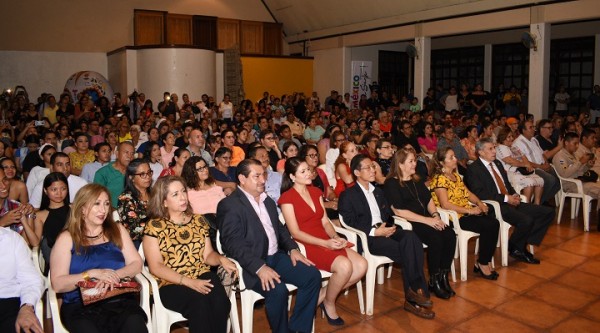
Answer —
179 253
93 246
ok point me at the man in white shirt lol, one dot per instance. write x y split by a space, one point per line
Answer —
21 286
59 162
530 147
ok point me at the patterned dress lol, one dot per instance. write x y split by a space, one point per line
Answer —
133 214
181 246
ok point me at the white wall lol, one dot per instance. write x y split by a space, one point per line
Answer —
176 70
48 72
371 53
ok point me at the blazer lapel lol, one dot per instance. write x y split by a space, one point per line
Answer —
252 216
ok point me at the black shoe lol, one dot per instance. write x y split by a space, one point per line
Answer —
435 286
491 276
334 322
445 283
521 256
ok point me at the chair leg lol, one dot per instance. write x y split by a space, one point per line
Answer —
586 214
361 299
390 267
504 227
370 281
453 271
247 314
380 272
560 208
233 314
574 207
462 248
477 246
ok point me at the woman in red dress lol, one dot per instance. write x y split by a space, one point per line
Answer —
304 213
343 175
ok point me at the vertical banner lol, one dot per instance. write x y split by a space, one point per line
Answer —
361 80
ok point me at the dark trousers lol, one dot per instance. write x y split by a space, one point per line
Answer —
530 221
308 281
120 314
205 313
9 309
405 249
441 245
487 228
551 184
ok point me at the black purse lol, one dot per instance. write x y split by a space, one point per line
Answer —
524 171
589 176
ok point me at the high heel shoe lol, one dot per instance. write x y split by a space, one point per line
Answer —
491 276
334 322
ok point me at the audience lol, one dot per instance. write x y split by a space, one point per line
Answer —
54 211
203 193
59 162
132 206
112 175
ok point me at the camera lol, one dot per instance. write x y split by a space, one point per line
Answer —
39 123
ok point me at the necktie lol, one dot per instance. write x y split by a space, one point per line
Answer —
499 180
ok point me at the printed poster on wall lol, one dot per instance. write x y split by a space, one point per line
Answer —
361 80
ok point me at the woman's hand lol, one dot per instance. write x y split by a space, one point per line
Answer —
484 208
335 243
201 286
437 223
229 266
107 275
475 210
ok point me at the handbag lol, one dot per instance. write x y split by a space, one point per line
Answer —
589 176
524 171
229 282
90 294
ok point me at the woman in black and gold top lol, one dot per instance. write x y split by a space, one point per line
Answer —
179 253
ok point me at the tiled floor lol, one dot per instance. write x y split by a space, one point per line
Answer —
562 294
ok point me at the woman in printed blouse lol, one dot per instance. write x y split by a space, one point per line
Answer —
82 154
133 202
450 192
179 253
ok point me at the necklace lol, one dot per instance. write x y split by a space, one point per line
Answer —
95 237
184 217
415 195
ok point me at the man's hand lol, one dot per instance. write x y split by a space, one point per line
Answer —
545 166
296 257
268 277
384 231
585 158
514 200
27 321
12 217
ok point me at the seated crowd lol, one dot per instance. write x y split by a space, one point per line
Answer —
177 173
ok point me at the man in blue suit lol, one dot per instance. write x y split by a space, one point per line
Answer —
252 235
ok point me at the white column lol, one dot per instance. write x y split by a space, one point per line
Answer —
539 71
422 67
597 61
487 67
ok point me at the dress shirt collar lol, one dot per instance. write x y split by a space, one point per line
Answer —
261 198
368 190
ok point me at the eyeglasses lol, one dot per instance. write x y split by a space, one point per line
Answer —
202 168
370 167
313 155
9 167
145 175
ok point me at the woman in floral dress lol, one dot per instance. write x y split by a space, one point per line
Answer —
133 202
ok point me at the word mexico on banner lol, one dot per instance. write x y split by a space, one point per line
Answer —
361 80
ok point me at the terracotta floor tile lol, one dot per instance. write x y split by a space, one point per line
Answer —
545 270
516 280
551 240
483 292
561 257
402 321
576 246
561 296
533 312
590 237
455 310
565 230
576 324
362 327
591 267
493 322
581 281
592 311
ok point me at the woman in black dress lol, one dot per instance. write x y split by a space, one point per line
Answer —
411 199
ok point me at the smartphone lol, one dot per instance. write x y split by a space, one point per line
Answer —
39 123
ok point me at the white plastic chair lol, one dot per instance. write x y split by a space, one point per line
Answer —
576 197
463 237
504 229
39 307
373 265
247 296
55 309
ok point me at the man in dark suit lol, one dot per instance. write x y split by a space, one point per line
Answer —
252 235
364 207
488 180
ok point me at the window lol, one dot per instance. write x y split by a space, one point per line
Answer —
453 67
510 65
572 65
